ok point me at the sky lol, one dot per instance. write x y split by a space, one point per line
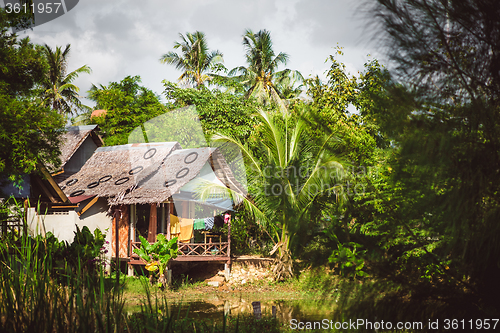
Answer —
117 38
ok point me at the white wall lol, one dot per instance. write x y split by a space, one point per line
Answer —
64 226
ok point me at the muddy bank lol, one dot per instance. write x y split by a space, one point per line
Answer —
202 290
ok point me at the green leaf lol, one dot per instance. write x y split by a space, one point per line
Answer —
141 253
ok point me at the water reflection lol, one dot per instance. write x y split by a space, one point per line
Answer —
300 309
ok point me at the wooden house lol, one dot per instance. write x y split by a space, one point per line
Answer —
143 184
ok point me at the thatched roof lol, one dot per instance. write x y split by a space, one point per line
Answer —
163 179
112 170
73 138
145 172
223 171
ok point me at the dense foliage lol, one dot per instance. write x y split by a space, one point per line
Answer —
218 111
429 218
29 133
127 104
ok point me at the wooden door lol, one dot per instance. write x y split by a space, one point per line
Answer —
122 219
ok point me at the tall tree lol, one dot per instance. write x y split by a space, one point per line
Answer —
289 173
261 77
128 105
29 133
219 111
195 58
447 168
58 91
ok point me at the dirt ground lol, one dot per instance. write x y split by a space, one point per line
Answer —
190 284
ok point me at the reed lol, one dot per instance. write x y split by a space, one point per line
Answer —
50 286
35 296
40 294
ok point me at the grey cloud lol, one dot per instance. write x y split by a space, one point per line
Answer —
120 38
227 19
332 21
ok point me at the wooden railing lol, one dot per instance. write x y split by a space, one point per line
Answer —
203 249
197 251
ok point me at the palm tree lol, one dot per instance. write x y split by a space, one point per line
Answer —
289 175
261 77
57 89
195 59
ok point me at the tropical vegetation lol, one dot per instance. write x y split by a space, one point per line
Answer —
261 78
127 105
57 90
29 132
386 180
195 59
158 255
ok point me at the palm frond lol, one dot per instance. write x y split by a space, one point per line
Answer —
273 139
325 176
195 59
59 92
244 149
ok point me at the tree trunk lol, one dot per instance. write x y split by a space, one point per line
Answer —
284 263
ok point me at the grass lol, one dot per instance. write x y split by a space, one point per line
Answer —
42 289
38 296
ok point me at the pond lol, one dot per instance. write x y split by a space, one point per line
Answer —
306 309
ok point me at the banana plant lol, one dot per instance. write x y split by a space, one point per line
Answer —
158 255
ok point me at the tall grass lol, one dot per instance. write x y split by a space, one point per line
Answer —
42 293
35 296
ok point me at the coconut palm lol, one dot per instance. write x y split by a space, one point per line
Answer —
58 91
261 77
195 58
288 176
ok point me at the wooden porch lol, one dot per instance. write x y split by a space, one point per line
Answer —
218 252
211 248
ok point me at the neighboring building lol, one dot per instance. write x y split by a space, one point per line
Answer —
78 145
43 200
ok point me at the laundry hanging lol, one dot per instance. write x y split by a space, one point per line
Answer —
199 224
209 223
186 226
175 227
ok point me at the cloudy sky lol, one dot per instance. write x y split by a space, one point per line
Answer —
118 38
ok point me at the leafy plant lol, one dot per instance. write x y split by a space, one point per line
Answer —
157 255
348 257
88 248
